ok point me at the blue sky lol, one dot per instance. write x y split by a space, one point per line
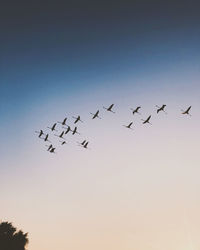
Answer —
64 49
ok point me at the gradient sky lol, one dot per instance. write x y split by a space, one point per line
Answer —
134 189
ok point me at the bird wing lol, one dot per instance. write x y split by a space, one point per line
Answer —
111 106
96 114
149 118
83 142
74 130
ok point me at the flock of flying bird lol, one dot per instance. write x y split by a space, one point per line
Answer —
74 131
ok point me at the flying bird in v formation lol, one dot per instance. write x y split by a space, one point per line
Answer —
84 143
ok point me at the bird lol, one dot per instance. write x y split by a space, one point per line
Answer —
186 112
81 143
147 120
49 147
52 150
161 108
110 108
75 131
53 127
46 138
63 122
86 144
40 133
68 129
77 119
96 115
61 134
129 125
136 110
63 142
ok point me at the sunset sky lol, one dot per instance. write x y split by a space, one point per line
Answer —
132 189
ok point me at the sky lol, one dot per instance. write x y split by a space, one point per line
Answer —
132 189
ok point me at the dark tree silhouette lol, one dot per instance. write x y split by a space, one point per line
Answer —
11 239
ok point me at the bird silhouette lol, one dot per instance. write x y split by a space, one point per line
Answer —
75 131
46 138
110 108
61 135
147 120
63 122
68 130
96 115
86 144
63 142
129 125
136 110
40 133
53 127
81 143
49 147
52 150
186 112
77 119
162 108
